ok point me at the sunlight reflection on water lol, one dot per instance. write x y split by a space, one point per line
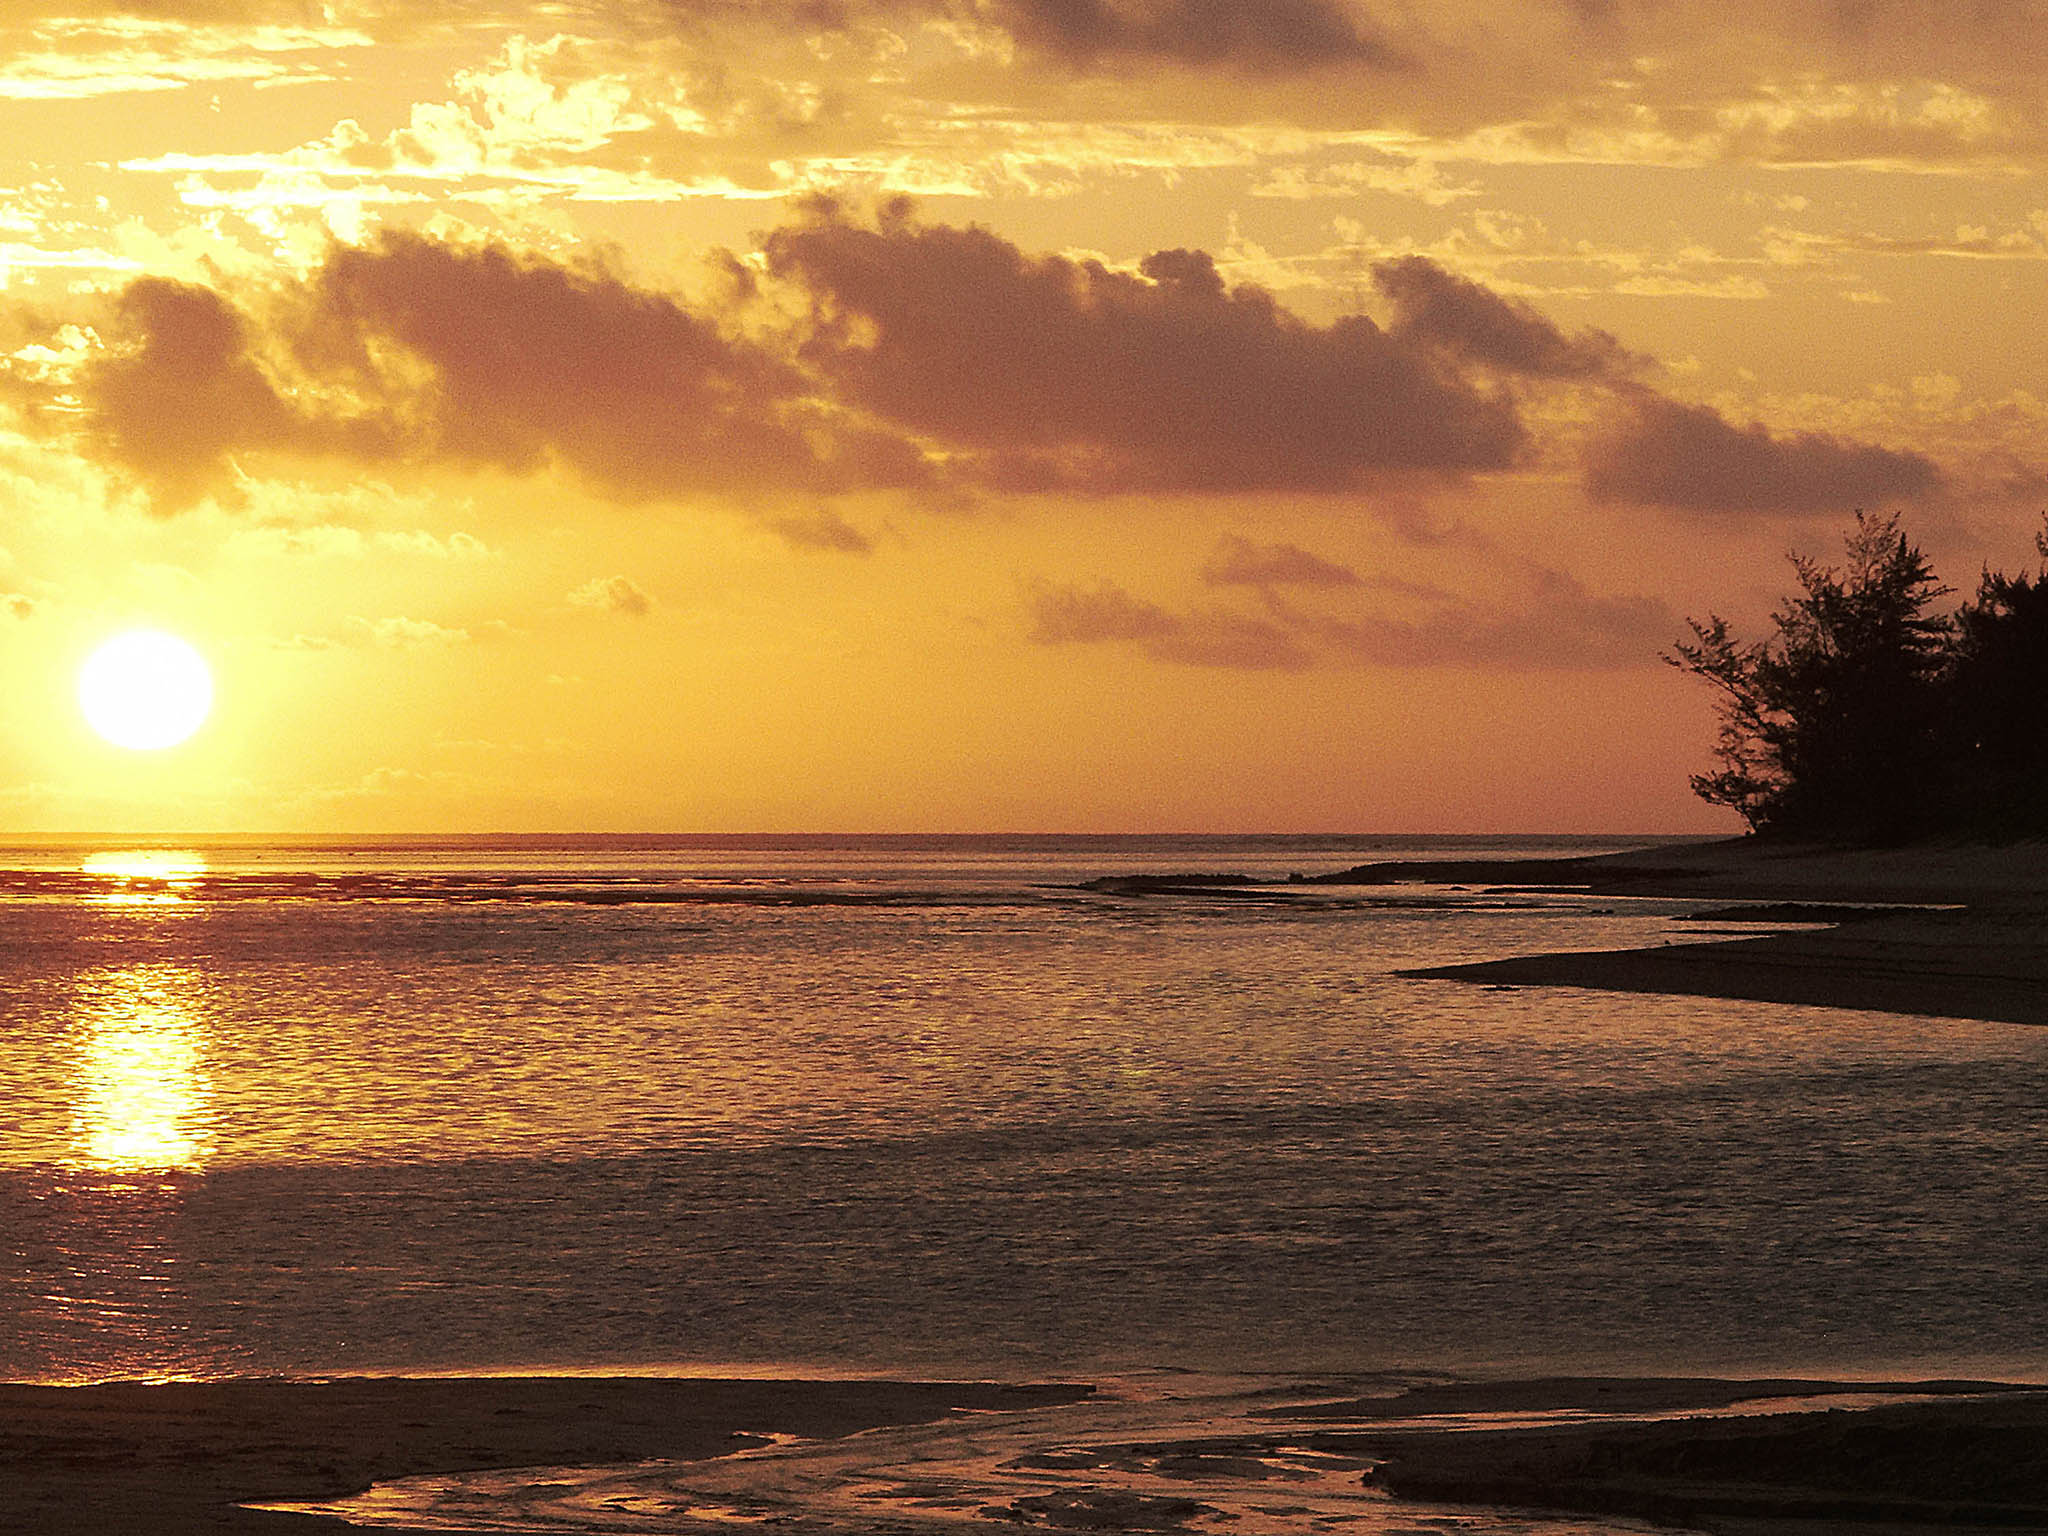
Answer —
102 1242
142 1096
139 877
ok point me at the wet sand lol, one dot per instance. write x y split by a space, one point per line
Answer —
177 1459
1981 963
1975 1461
1739 869
1986 960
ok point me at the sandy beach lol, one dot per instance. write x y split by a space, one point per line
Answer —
1985 956
1954 1460
182 1458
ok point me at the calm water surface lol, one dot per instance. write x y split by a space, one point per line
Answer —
910 1106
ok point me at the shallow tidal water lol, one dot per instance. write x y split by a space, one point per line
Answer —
918 1108
1177 1453
1171 1453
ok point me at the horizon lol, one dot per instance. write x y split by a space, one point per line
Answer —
740 839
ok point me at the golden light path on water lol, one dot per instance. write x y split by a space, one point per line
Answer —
144 876
141 1098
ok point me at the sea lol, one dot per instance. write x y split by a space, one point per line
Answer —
943 1107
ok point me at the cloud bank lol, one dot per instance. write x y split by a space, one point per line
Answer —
1546 620
1690 458
924 354
1056 373
899 355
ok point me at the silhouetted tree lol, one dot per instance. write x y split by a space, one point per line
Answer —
1829 727
1997 722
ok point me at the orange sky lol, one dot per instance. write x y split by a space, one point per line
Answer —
980 414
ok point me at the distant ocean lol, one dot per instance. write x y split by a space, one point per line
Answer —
919 1106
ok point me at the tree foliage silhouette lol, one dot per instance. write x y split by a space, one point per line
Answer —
1998 705
1831 726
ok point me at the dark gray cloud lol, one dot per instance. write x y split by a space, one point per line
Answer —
414 351
1551 622
526 359
1246 37
1060 373
1252 36
1433 307
183 390
1241 642
1062 615
1241 562
930 356
1071 616
1692 459
826 530
1547 621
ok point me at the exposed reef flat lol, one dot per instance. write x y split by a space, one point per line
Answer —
1952 1461
1978 963
1986 958
1746 869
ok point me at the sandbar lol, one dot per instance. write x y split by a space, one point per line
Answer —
1974 1455
1976 949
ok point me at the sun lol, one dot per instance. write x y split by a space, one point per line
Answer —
145 690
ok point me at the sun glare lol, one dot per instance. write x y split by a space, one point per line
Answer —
142 1088
145 690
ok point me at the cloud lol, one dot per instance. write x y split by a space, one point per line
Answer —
1240 562
1546 620
411 350
528 360
826 530
1550 622
1063 615
889 355
183 390
1436 308
1252 36
405 634
418 541
613 594
1422 180
1048 372
72 56
1692 459
1070 616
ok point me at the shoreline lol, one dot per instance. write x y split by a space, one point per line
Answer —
1985 959
180 1458
1970 1462
1726 1455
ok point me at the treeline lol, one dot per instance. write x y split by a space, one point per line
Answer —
1872 714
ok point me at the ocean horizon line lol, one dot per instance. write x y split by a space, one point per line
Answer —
826 838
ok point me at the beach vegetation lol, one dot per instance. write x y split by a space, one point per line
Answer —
1868 714
1998 705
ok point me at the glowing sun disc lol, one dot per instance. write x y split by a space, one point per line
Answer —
145 690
